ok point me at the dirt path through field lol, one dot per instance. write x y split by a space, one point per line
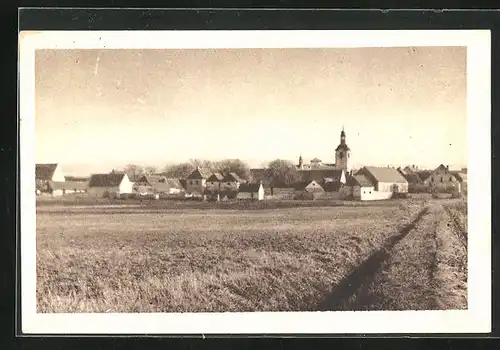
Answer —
422 267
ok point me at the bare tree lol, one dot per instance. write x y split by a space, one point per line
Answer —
282 172
134 171
233 166
179 171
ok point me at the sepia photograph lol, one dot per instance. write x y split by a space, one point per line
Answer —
274 176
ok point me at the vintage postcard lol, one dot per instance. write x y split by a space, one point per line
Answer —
187 182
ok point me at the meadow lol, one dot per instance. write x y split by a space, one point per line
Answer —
152 258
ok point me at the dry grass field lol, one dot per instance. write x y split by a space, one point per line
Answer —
154 259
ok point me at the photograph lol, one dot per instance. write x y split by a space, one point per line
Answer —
276 177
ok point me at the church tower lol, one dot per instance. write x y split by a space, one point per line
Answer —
343 154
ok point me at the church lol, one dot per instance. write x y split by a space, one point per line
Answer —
317 170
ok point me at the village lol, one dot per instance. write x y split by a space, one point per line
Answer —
315 180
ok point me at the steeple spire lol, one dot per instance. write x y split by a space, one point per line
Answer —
342 136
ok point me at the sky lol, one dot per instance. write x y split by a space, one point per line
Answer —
107 108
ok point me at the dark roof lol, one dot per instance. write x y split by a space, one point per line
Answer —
76 178
249 187
343 147
215 177
106 180
199 174
301 186
385 174
332 186
359 180
320 174
45 171
152 179
232 177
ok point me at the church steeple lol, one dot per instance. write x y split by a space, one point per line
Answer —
343 153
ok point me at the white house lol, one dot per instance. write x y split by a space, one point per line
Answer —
251 191
112 184
359 187
386 181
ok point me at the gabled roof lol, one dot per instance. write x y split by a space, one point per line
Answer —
45 171
152 179
302 185
183 183
359 180
199 174
249 187
106 180
385 174
232 177
215 177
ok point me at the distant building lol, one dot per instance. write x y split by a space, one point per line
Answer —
387 180
253 191
196 182
342 159
158 184
443 179
359 187
214 182
112 185
231 182
308 190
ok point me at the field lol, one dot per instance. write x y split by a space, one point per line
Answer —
207 257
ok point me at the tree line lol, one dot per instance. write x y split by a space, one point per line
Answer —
278 171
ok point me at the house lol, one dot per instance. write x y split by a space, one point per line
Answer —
308 190
253 191
443 179
109 185
158 184
359 187
326 175
214 182
196 182
281 191
231 182
386 181
333 190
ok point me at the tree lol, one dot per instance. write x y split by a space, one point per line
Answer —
282 172
134 172
150 170
233 166
205 164
179 171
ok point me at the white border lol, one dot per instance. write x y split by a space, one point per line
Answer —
477 319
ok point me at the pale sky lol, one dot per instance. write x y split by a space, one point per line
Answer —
398 106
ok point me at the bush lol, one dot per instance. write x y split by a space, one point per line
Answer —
400 195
